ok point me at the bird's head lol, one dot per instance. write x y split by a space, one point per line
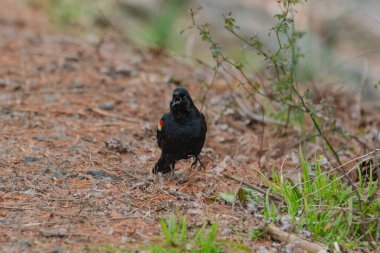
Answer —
181 101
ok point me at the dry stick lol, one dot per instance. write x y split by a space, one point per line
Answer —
119 123
16 208
256 188
208 87
37 224
286 237
257 117
107 114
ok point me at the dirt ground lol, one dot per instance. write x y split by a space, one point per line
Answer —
77 121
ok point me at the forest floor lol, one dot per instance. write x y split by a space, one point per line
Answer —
78 120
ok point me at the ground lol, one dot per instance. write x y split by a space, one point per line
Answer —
78 120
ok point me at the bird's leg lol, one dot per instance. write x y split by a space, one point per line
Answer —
171 166
159 165
200 162
194 163
196 159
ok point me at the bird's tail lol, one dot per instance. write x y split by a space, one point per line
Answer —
163 166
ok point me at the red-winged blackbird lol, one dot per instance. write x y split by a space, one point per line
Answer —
181 133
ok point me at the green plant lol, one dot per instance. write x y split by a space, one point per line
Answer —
179 239
327 207
257 234
69 13
158 32
281 91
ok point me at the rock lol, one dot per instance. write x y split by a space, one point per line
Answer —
172 80
69 67
117 145
60 232
108 178
305 233
23 242
58 174
89 139
241 159
105 70
48 99
30 192
277 153
143 158
227 231
252 207
3 83
124 239
223 127
286 224
6 110
96 172
28 160
50 67
51 171
74 148
40 137
82 177
58 136
108 106
222 165
262 249
220 139
123 70
95 193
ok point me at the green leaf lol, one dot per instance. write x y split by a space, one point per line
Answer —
239 66
215 50
227 196
242 196
229 22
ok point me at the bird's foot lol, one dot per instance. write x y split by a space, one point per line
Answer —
195 163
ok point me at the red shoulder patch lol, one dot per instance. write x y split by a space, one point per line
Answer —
159 125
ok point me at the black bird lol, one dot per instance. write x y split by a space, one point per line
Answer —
181 133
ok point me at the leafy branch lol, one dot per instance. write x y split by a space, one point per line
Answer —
283 60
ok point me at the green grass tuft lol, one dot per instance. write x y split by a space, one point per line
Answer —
178 238
328 206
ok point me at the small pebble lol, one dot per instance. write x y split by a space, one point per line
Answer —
108 106
96 172
60 232
29 160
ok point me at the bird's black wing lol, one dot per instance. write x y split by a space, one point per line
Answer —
161 130
204 125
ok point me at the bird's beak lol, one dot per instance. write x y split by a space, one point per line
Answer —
176 99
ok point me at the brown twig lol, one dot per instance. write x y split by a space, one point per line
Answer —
116 116
253 187
286 237
257 117
16 208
